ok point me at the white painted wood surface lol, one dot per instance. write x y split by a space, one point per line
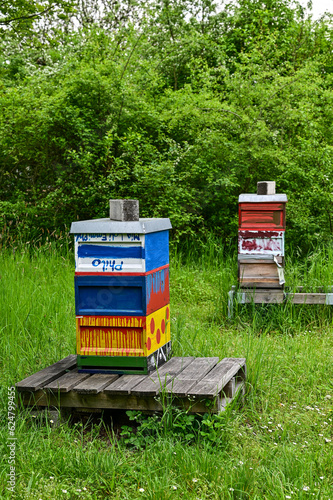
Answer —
249 243
96 264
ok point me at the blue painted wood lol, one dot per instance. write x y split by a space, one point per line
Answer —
157 250
110 295
111 252
121 295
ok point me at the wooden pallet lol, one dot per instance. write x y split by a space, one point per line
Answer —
199 385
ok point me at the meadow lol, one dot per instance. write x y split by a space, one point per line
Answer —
276 444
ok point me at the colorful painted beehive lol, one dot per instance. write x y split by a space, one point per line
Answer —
122 300
262 224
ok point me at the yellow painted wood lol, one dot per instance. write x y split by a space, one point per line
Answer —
157 330
122 336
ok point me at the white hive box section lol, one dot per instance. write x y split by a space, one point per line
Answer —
108 246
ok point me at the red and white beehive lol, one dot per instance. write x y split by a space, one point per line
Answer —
262 224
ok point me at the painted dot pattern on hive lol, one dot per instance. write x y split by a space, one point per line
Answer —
158 329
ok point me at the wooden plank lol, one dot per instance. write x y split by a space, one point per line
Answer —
264 243
95 383
124 384
260 270
230 388
240 387
264 274
101 401
307 298
260 284
162 377
66 382
261 258
90 396
213 383
110 295
71 391
173 367
98 254
314 289
194 372
110 335
86 401
261 296
47 375
262 216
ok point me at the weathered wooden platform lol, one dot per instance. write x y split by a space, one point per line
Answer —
271 296
199 385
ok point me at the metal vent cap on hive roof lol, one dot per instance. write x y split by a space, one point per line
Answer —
265 194
107 226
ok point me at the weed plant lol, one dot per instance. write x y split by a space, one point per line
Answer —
277 445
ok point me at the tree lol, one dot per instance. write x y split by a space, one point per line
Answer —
177 108
21 16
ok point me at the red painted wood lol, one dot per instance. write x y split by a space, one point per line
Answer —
260 234
157 290
262 206
105 340
261 216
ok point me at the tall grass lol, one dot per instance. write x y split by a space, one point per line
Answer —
36 309
277 445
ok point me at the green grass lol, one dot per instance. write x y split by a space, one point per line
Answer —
275 446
